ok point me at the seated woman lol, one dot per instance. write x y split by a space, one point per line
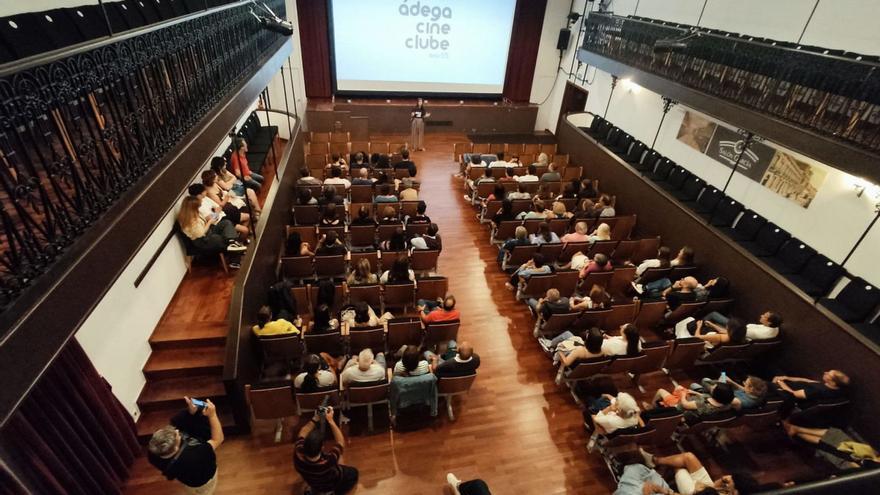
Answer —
412 363
628 343
330 195
359 160
232 206
317 374
544 235
568 192
537 211
336 160
559 210
569 351
535 266
323 322
362 274
329 217
604 207
600 263
266 326
685 257
720 399
208 236
598 298
385 195
304 197
407 191
661 261
602 233
520 238
717 288
330 245
505 214
419 218
295 246
230 183
520 193
734 332
389 216
361 315
399 273
691 477
364 217
397 241
587 190
622 412
429 241
750 394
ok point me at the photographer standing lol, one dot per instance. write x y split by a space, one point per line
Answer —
184 450
321 470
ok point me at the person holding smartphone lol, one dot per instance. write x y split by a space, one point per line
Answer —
321 470
184 450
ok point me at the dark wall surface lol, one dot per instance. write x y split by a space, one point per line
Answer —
815 339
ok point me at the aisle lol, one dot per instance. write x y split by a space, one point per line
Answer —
516 429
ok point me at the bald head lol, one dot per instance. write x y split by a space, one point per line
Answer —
364 173
689 282
465 350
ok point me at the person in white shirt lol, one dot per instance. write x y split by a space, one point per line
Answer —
500 161
365 368
336 179
627 344
530 175
661 261
623 412
314 377
766 328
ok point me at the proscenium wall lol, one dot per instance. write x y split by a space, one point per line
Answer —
837 217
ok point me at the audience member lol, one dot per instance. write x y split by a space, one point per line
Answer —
520 238
661 261
306 179
697 404
767 327
520 193
316 374
329 195
552 303
419 218
364 369
685 257
587 190
208 236
750 394
406 163
362 274
336 179
389 216
464 362
537 212
551 175
833 385
397 241
411 363
323 471
336 160
504 214
598 298
605 207
330 245
579 234
239 164
304 197
408 193
499 161
628 343
602 233
438 311
544 235
266 326
559 210
364 217
680 292
734 331
323 322
535 266
329 218
363 178
385 195
691 476
530 175
570 348
399 273
295 246
600 263
620 413
429 240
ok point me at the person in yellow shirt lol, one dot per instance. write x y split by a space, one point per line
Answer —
266 326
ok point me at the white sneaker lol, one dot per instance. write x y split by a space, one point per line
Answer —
637 287
235 247
453 481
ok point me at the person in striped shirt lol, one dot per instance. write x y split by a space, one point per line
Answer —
321 469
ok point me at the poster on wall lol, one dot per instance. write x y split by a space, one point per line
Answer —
727 144
696 131
793 179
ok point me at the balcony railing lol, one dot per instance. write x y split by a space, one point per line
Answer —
80 129
831 92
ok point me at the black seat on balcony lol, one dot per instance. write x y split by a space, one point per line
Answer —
770 238
662 171
855 303
870 330
726 212
792 257
609 139
818 276
125 15
708 200
691 189
648 162
676 179
621 144
746 228
634 155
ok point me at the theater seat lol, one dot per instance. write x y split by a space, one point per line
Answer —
691 189
634 155
768 241
870 330
746 228
648 162
677 177
707 201
855 302
792 257
726 212
662 171
818 276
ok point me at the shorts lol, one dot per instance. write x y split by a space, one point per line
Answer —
687 482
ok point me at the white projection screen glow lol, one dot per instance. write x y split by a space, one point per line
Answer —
456 47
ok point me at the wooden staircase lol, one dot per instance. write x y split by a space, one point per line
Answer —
187 360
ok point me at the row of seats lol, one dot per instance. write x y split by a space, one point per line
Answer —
260 139
347 149
621 226
533 149
311 214
812 272
338 266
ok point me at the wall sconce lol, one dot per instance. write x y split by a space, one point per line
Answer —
630 86
861 186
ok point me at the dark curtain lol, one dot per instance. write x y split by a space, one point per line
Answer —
70 435
315 44
528 21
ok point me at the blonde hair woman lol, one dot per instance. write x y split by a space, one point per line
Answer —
602 233
362 274
208 236
543 160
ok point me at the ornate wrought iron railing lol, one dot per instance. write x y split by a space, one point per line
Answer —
80 129
832 92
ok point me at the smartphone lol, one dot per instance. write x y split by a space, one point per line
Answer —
723 377
199 403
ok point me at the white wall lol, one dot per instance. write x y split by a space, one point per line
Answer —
836 217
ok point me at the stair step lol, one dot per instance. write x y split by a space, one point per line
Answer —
162 392
189 361
150 421
179 335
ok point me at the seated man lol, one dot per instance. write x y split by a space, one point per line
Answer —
364 369
363 178
682 291
697 404
535 266
472 185
500 161
520 238
520 193
579 234
551 175
406 163
464 363
336 179
439 311
832 450
321 470
832 386
330 245
305 178
751 394
530 175
552 304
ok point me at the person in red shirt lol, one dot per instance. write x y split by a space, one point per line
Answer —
431 311
238 163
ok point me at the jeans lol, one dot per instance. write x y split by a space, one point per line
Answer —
717 318
559 338
533 303
429 305
655 289
428 354
255 182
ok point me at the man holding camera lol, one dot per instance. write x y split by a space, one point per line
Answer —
184 450
322 470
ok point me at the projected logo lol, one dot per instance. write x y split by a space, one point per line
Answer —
431 31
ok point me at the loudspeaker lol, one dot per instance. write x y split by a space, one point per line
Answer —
564 39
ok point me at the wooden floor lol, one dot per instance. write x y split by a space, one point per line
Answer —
517 430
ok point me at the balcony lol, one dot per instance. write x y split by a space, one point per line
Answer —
822 103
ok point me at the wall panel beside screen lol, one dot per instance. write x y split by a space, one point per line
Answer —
400 47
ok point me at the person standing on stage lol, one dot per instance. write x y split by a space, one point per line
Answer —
418 116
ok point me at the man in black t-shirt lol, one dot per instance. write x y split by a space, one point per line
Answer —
184 450
464 363
832 386
406 163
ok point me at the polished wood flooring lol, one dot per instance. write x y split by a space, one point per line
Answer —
516 429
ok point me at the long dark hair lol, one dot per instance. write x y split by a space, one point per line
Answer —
411 358
631 333
326 292
311 365
294 244
361 312
544 231
397 241
322 318
399 271
303 195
